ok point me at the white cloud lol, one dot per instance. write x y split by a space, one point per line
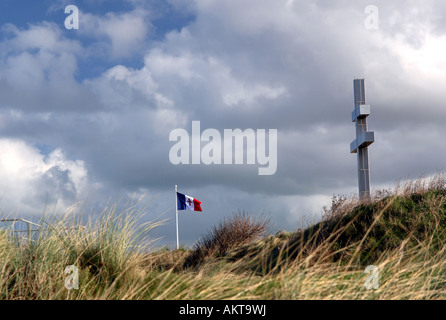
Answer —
125 32
121 87
185 66
44 37
29 181
427 61
37 70
187 69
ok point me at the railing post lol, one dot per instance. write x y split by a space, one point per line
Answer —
28 228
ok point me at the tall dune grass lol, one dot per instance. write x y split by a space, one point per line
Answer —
402 232
107 251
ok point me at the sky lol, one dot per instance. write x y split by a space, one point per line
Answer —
86 114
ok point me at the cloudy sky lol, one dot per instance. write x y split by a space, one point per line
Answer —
85 114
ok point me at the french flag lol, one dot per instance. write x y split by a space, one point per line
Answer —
188 203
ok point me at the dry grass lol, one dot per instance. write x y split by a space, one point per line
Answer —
229 234
402 232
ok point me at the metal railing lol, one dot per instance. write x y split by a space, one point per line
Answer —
30 230
17 234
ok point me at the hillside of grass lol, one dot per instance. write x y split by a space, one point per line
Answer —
359 234
401 231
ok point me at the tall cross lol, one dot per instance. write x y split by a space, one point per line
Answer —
363 139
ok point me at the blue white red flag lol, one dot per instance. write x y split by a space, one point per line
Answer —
188 203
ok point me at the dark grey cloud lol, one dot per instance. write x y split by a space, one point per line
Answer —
285 65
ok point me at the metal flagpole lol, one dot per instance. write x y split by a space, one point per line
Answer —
176 215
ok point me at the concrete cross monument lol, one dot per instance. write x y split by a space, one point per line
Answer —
363 139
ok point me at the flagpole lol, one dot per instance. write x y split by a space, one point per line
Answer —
176 215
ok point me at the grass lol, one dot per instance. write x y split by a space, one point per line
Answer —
401 231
